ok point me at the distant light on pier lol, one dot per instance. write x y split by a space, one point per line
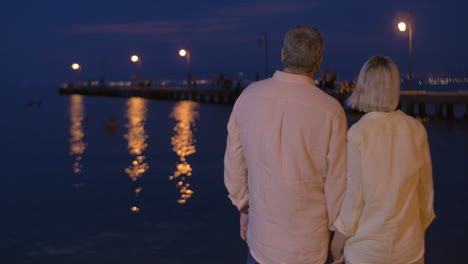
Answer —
182 52
402 26
75 66
134 58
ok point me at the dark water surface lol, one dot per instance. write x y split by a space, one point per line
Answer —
76 191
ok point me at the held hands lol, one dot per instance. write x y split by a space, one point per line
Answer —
337 246
339 261
244 222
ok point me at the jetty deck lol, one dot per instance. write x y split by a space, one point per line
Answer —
442 101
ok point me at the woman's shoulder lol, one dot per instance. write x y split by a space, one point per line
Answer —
355 132
415 125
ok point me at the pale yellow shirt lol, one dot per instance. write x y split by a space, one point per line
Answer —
389 196
286 158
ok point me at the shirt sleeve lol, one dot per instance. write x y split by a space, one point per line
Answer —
353 202
235 171
335 181
425 188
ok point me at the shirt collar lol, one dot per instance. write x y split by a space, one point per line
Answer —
291 77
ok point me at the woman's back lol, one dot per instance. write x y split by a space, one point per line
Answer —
393 160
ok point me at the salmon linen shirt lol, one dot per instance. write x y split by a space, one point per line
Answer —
389 198
286 159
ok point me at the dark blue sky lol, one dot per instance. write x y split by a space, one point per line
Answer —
40 39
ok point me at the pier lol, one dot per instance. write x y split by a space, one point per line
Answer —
210 96
439 100
443 102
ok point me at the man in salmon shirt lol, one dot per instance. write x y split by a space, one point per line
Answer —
285 160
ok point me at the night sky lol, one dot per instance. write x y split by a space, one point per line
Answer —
40 39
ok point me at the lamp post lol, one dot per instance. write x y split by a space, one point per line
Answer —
136 59
186 54
403 26
261 40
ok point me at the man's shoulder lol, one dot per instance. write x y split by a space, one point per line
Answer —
329 100
325 103
258 86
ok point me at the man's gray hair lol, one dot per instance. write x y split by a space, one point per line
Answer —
377 87
303 48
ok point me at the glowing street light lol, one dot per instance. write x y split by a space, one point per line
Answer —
403 26
134 58
186 54
76 66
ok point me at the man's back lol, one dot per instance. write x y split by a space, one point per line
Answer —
291 137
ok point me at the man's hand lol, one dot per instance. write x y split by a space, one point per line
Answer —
244 222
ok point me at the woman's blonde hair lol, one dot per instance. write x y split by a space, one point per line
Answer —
378 86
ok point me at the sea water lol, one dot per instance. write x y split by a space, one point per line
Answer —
128 180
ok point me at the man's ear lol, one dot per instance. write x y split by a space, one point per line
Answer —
282 55
319 62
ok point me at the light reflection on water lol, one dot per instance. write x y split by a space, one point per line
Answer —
185 113
77 144
183 144
136 141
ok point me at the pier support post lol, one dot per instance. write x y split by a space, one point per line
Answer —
422 110
439 111
450 113
466 111
410 108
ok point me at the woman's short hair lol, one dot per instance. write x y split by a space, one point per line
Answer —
302 48
378 86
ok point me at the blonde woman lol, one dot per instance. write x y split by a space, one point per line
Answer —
388 202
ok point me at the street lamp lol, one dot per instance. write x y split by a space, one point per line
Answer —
134 58
265 40
403 26
186 54
76 67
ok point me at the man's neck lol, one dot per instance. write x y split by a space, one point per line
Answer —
308 74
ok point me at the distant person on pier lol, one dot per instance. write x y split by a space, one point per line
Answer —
285 160
141 84
388 204
239 86
220 80
321 80
330 79
193 79
213 80
227 82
